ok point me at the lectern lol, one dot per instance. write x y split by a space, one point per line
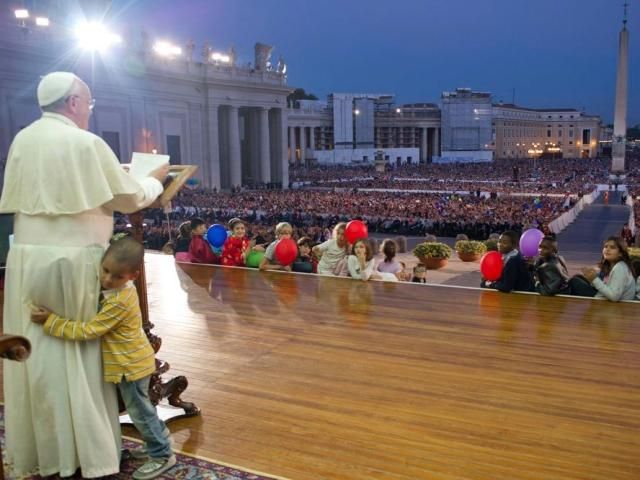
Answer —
158 389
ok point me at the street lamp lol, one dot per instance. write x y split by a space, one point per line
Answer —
535 151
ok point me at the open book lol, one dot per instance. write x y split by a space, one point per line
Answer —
142 164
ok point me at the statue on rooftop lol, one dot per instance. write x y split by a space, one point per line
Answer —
262 54
232 56
207 50
189 48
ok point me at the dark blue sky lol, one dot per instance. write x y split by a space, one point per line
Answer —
555 53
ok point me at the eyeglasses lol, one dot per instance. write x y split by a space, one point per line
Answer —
92 102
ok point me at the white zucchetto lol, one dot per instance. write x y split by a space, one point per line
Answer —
54 86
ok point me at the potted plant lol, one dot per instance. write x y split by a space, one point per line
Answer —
433 255
470 250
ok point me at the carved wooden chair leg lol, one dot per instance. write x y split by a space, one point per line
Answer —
13 347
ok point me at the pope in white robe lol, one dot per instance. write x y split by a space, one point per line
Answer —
63 184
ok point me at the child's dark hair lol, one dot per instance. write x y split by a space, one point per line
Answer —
126 251
605 266
512 236
389 249
184 230
367 248
305 242
196 222
552 241
233 222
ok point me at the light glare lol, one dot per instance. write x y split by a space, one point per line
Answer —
220 57
165 49
94 36
42 21
22 13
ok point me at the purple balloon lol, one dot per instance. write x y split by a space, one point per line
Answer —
529 242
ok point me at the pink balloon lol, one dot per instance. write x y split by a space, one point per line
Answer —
491 266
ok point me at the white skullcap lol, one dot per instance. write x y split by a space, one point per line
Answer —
54 86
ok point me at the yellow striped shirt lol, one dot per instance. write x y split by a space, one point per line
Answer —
126 351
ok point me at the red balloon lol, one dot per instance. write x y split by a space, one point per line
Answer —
491 266
355 231
286 251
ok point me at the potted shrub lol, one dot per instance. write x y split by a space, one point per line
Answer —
470 250
433 255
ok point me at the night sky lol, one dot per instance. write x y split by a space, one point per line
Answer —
554 53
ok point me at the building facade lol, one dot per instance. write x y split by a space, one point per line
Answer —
229 120
352 128
520 132
466 125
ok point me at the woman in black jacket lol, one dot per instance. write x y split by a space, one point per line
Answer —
550 273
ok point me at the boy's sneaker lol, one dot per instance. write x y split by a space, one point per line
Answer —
139 453
154 468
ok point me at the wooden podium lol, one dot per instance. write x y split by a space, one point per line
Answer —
172 389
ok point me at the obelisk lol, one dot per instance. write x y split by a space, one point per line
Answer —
619 145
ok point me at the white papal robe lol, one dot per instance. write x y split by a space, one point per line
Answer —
63 184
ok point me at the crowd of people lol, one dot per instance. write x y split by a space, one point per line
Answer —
311 212
505 176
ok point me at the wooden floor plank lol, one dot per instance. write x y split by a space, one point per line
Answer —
319 378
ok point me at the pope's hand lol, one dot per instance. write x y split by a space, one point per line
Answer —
160 173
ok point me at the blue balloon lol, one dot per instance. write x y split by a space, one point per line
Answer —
216 235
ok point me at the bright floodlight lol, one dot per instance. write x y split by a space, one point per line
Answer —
95 36
398 110
356 111
165 49
220 57
22 13
42 21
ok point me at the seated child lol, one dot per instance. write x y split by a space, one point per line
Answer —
549 271
199 248
269 262
127 356
184 238
515 274
389 264
332 252
305 263
237 246
360 263
419 274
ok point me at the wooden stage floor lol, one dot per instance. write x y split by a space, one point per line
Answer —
307 377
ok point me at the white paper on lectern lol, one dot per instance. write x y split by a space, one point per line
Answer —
142 164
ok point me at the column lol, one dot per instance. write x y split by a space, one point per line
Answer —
213 153
283 147
312 142
423 146
303 145
265 158
292 145
234 147
436 142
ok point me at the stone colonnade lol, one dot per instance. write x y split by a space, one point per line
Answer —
247 145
